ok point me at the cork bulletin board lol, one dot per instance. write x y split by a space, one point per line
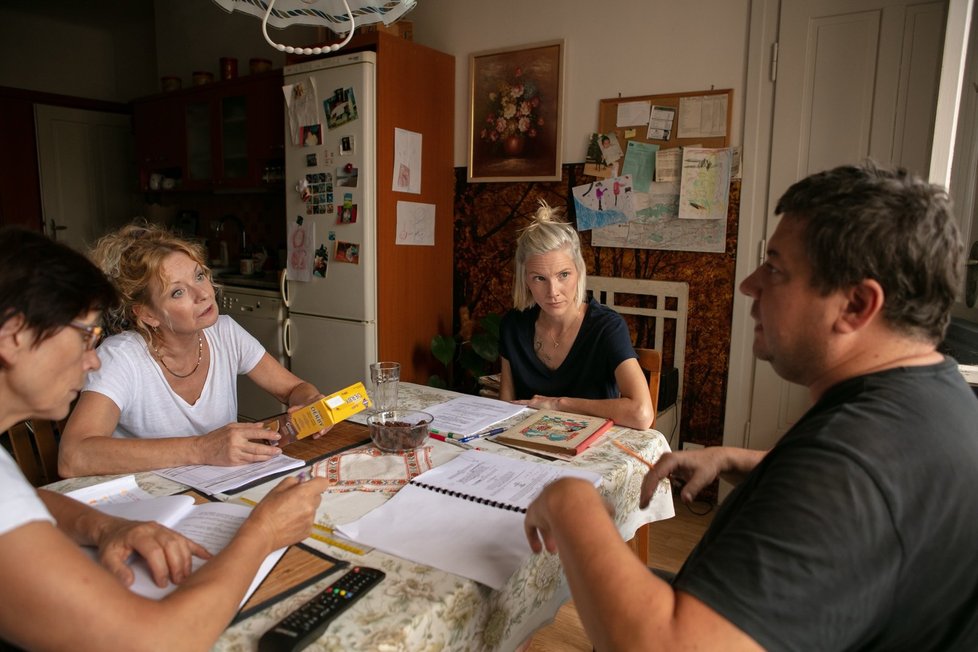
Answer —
608 113
686 216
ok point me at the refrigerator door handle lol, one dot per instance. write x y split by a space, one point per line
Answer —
287 337
283 287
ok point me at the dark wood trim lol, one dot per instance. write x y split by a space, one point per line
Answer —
39 97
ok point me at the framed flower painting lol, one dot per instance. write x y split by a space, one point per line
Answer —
515 113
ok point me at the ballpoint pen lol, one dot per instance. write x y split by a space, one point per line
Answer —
490 433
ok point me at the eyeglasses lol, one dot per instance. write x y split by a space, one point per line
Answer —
91 331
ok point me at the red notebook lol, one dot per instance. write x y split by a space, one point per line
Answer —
556 432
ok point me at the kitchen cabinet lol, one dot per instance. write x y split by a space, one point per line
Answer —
224 135
158 129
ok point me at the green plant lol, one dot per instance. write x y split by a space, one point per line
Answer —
467 355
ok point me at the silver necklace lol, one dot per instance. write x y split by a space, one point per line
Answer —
200 356
538 347
538 341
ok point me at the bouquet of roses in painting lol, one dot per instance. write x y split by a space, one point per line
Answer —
514 112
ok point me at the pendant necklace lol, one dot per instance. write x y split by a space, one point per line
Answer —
538 347
200 356
538 341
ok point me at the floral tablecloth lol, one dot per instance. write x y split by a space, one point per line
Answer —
418 608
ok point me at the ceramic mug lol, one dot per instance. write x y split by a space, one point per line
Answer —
155 180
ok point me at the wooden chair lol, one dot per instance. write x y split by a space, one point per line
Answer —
661 302
35 449
650 361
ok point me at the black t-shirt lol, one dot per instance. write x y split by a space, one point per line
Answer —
859 530
602 343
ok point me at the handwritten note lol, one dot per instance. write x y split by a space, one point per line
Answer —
415 224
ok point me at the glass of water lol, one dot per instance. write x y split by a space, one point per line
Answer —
384 378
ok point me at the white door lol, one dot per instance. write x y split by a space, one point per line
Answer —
86 166
855 79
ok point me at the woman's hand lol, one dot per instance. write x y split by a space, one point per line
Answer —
286 514
237 443
168 554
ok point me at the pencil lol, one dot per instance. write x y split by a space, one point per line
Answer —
632 453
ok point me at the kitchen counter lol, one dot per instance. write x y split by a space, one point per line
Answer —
264 281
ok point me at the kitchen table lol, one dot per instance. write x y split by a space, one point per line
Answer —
422 608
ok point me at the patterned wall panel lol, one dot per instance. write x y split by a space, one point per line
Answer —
488 218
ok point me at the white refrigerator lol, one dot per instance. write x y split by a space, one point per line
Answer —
331 331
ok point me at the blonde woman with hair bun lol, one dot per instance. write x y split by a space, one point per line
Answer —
560 350
166 394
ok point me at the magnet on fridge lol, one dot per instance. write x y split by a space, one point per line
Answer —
348 168
302 187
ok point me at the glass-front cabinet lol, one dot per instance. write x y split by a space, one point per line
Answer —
199 160
222 135
233 163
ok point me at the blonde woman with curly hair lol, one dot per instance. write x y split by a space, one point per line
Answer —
166 394
560 350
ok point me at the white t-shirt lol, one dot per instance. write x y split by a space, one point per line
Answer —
148 406
19 503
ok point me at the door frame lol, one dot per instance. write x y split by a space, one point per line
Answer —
758 122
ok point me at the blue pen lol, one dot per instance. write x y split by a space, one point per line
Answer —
490 433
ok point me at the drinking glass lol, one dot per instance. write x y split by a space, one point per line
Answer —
384 377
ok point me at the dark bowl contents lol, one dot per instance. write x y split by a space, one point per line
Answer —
399 430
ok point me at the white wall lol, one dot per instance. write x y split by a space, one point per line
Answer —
627 47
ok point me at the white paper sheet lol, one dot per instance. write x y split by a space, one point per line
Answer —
703 116
218 479
407 161
301 250
415 224
633 113
468 415
117 490
704 192
473 539
212 525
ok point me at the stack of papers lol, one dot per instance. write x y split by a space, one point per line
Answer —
466 416
219 479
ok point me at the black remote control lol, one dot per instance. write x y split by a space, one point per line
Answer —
308 622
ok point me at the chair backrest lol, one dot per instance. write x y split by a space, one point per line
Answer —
650 361
35 448
663 302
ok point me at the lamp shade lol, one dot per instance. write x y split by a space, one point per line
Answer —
322 13
340 16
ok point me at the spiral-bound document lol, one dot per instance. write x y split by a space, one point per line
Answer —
463 517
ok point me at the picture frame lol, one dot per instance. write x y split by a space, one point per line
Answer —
515 113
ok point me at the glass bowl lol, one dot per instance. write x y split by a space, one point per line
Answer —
396 431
